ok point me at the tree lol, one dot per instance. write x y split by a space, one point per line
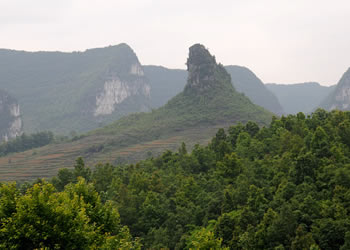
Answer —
72 219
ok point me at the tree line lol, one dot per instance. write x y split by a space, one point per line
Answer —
26 142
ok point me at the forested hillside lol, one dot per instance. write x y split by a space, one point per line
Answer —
285 186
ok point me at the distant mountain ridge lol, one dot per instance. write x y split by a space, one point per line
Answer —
165 83
245 81
208 102
80 91
300 97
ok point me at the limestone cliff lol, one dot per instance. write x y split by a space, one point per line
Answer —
115 90
201 66
10 118
339 98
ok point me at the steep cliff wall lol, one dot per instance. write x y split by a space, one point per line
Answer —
116 91
339 98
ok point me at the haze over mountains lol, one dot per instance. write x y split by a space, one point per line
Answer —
78 91
245 81
168 82
300 97
208 101
138 110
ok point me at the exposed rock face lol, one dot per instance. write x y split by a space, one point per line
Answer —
116 91
340 97
201 66
136 69
118 87
10 119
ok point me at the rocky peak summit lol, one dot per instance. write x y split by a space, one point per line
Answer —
201 67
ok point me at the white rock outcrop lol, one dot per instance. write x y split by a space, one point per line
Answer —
14 128
341 97
136 69
116 91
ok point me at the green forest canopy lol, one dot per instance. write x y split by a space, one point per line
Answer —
285 186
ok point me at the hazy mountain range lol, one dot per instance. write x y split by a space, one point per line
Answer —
207 102
133 111
300 97
80 91
74 91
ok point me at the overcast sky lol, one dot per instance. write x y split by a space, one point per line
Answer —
284 41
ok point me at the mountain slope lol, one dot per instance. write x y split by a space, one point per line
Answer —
10 117
245 81
165 83
74 91
300 97
339 98
208 98
209 101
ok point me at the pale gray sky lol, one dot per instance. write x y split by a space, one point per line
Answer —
282 41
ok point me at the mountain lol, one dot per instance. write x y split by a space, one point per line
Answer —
300 97
74 91
207 99
10 117
245 81
165 83
339 98
208 102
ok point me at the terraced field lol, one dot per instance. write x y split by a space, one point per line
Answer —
46 161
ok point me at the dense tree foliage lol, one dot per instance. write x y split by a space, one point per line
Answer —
26 142
286 186
42 218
